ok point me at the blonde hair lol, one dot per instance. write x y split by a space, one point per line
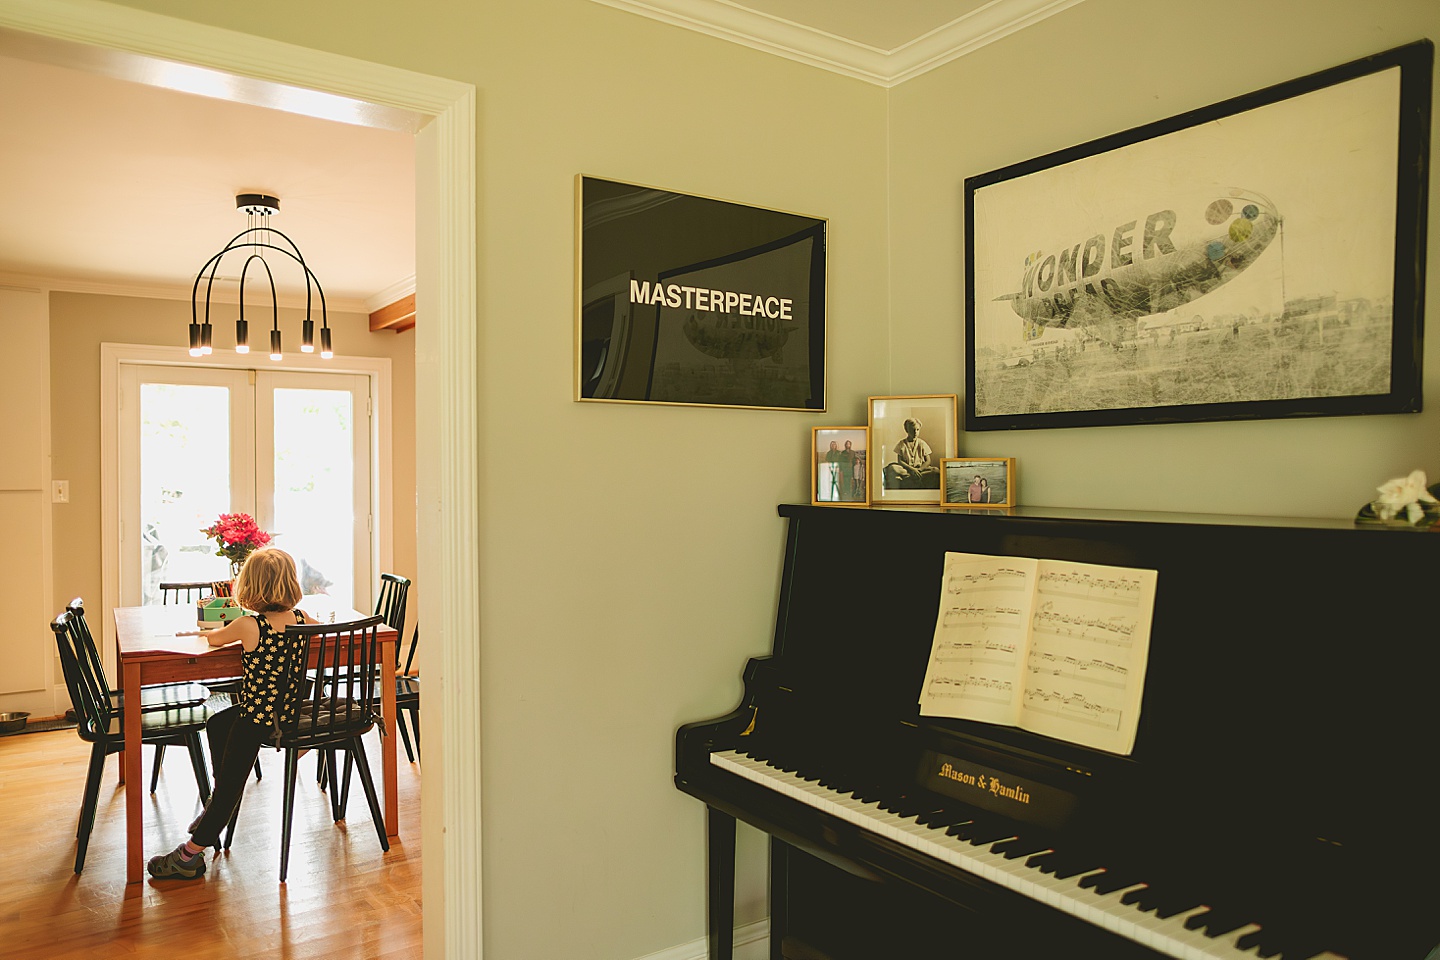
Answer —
268 582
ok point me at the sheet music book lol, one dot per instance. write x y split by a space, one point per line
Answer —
1051 646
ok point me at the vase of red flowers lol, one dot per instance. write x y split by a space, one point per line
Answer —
236 536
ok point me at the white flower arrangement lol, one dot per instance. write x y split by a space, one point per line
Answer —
1405 495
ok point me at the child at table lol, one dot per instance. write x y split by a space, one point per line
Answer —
269 585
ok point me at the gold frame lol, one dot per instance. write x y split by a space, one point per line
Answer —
944 405
815 442
580 300
945 467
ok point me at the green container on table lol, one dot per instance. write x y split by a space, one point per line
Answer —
218 611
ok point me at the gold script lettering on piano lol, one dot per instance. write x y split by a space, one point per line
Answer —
981 782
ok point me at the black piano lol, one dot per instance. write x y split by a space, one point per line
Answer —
1280 800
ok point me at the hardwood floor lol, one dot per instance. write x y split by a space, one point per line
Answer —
343 897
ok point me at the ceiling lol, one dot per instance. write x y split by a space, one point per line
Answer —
126 187
116 182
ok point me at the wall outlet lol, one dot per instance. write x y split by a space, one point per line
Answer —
59 491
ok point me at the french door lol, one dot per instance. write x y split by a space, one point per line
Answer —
291 449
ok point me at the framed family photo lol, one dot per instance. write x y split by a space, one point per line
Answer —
910 436
978 482
838 465
1259 258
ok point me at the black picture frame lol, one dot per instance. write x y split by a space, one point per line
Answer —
1157 283
686 300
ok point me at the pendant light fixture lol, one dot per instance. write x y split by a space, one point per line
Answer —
254 242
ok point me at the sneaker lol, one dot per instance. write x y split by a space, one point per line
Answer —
176 866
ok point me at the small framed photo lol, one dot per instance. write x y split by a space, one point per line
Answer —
978 482
838 466
910 435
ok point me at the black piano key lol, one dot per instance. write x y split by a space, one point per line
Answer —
980 833
1020 847
1161 899
942 818
1063 863
1294 937
1218 921
1112 880
1254 939
903 806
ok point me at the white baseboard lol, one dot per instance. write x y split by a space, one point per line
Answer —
752 942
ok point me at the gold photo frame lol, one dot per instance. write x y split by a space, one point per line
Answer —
839 461
905 464
977 482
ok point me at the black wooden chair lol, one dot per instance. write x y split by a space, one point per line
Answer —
332 713
187 592
99 720
407 697
155 696
390 606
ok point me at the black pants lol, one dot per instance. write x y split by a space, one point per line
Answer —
234 744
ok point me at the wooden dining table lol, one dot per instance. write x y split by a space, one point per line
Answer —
151 649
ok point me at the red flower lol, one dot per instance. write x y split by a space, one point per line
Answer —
237 535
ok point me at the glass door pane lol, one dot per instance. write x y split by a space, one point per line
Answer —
184 482
316 502
186 455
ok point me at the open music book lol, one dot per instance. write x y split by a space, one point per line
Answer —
1050 646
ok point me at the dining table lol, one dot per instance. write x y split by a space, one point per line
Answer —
159 644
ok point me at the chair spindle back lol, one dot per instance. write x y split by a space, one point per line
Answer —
84 674
394 591
339 698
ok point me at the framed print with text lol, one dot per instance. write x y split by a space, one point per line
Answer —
689 300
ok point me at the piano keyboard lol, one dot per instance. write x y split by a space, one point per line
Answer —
1169 935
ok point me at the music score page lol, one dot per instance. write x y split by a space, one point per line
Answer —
1052 646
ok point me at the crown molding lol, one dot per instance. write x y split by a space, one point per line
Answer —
398 290
222 293
886 68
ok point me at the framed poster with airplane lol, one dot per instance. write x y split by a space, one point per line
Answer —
1259 258
695 301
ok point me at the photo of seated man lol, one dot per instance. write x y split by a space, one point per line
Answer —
912 464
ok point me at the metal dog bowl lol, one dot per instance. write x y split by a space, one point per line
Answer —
13 722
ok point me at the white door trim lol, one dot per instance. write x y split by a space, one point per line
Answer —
447 370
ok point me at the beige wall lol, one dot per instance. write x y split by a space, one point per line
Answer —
79 323
1097 68
625 581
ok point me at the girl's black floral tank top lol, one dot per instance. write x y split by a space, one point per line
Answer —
265 668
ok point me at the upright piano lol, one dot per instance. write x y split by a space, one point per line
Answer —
1279 800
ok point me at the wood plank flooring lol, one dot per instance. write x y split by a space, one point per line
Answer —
343 897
